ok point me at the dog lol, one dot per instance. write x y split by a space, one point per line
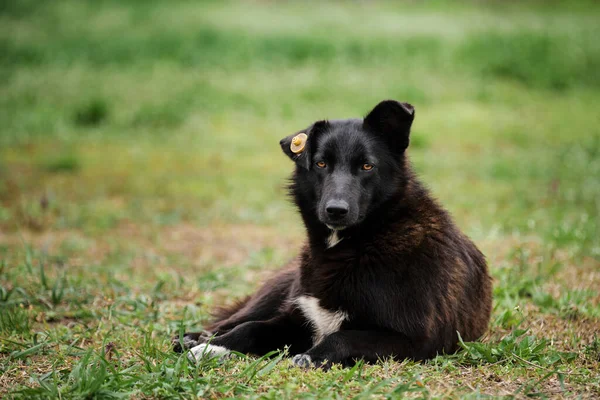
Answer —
385 272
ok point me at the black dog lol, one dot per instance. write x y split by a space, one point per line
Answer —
384 272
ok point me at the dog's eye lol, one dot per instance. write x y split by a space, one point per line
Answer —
321 164
367 167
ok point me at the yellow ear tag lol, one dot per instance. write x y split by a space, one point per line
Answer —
298 143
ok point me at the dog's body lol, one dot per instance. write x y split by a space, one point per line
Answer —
384 273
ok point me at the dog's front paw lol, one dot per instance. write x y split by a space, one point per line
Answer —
305 361
207 350
190 340
302 361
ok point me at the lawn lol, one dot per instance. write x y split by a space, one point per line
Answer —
141 183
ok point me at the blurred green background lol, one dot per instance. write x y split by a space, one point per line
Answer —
165 112
139 143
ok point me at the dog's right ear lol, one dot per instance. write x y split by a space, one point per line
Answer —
301 145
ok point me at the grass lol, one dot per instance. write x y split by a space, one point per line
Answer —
141 183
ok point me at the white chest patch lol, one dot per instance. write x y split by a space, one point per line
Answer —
324 322
333 239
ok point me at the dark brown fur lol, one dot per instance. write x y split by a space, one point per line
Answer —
406 276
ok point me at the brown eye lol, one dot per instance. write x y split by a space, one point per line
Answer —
367 167
321 164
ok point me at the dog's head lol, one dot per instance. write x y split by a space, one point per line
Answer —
345 168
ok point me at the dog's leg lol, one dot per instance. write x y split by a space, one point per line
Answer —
264 305
260 337
345 347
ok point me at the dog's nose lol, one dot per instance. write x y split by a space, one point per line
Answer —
336 209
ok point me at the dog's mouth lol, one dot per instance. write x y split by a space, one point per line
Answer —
336 227
340 224
344 223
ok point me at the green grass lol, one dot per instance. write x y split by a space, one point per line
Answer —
141 183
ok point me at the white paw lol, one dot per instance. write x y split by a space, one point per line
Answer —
206 350
302 361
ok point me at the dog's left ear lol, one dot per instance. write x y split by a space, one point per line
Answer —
392 120
301 145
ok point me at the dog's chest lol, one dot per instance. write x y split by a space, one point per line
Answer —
324 322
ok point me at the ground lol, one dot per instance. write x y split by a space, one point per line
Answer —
141 183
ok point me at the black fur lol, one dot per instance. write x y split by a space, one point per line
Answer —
404 275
